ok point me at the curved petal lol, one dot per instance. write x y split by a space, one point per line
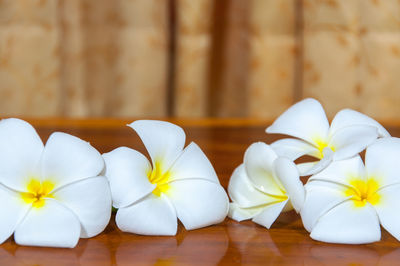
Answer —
294 148
127 171
342 171
152 215
269 214
288 174
258 162
163 140
239 214
20 151
348 117
305 120
320 198
304 168
67 159
242 191
52 225
198 202
350 141
193 163
321 164
90 201
345 224
387 209
13 209
382 161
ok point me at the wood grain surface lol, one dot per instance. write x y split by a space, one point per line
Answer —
229 243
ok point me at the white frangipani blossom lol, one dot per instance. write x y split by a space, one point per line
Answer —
50 195
349 133
178 183
264 186
346 202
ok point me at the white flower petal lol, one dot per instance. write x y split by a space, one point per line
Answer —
351 140
387 209
305 120
294 148
67 159
320 198
242 191
342 171
269 214
198 202
127 171
382 161
90 201
346 224
348 117
52 225
304 168
163 140
240 214
288 174
152 215
258 162
20 151
321 164
13 209
193 163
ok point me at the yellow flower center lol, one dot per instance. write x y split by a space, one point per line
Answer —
321 145
37 192
160 178
363 191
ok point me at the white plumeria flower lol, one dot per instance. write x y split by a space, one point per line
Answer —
179 183
350 133
264 186
346 202
50 195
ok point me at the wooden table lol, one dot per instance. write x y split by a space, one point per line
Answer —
224 142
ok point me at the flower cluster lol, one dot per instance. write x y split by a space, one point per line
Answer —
178 183
54 194
50 195
344 201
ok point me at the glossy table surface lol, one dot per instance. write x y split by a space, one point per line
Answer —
224 142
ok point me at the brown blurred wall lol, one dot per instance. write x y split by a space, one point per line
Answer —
198 58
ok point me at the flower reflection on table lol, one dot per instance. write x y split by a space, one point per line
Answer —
174 250
249 243
88 252
255 245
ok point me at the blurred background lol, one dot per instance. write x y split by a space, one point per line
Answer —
198 58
